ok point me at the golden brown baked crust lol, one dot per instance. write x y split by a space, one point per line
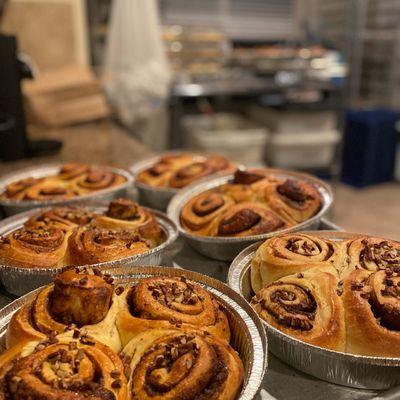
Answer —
293 199
372 303
177 365
91 245
305 306
156 303
29 248
65 218
259 202
371 254
78 298
246 219
72 180
291 253
127 215
367 279
179 170
62 367
177 342
200 212
65 236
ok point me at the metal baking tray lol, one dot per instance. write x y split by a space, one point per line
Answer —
333 366
248 335
11 207
19 281
226 248
156 197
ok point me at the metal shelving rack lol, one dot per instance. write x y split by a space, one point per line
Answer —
368 32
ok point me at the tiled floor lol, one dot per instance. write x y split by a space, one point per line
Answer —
374 210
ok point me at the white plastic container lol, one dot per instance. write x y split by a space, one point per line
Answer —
228 134
303 150
293 121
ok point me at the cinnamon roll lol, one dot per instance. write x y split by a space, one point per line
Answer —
305 306
372 304
179 170
62 367
65 218
72 170
97 179
199 169
183 365
16 190
49 190
156 303
77 298
91 245
198 214
161 172
36 247
73 179
372 254
246 219
259 199
293 199
128 215
290 253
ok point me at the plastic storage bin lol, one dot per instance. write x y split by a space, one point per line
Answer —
303 150
293 121
228 134
369 147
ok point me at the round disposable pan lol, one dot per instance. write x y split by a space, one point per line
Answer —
248 335
333 366
17 280
226 248
11 207
151 196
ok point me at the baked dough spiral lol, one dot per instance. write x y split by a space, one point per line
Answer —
72 180
372 254
62 367
30 248
91 245
290 253
65 218
179 170
305 306
254 202
127 215
246 219
171 302
293 199
183 365
77 298
372 303
199 213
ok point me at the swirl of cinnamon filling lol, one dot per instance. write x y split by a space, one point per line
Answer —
63 368
183 365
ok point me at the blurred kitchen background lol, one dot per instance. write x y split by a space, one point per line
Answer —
311 85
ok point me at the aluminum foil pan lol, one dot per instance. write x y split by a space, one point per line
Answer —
224 248
333 366
11 207
248 335
154 197
19 281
